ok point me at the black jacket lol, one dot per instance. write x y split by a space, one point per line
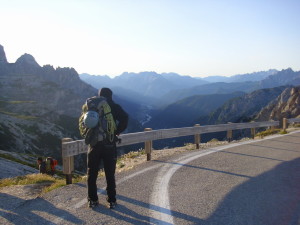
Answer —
120 116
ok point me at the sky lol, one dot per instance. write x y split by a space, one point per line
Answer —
198 38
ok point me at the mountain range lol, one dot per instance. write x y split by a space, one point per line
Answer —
167 88
39 105
256 76
244 108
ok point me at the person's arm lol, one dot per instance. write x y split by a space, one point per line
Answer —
122 118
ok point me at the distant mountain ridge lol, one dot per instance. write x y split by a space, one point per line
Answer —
171 87
185 112
147 84
41 105
244 108
283 77
256 76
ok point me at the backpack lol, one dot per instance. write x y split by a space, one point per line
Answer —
49 164
96 122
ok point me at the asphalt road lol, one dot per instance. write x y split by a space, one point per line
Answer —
255 182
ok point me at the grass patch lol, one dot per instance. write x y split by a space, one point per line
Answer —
283 132
213 140
189 146
57 184
268 132
50 181
27 179
133 155
121 161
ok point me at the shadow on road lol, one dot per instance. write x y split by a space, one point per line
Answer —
288 142
294 136
254 156
28 212
272 198
125 214
273 148
204 168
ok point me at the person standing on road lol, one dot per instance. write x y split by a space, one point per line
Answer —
107 152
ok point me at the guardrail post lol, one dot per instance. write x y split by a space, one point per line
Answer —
68 164
197 138
284 124
148 146
272 127
253 132
229 134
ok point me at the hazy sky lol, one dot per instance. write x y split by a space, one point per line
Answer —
189 37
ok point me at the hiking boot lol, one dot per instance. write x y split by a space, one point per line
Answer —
112 205
92 204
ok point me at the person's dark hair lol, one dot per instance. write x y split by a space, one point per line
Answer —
40 159
105 92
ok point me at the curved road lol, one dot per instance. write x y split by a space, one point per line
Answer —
254 182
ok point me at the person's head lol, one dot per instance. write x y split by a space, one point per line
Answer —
105 92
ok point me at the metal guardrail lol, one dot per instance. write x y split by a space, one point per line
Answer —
294 120
71 148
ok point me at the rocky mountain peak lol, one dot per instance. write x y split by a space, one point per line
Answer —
286 105
2 55
27 59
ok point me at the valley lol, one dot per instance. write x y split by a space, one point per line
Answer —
40 105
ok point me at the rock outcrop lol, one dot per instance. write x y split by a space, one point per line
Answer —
39 106
287 105
27 60
244 108
2 55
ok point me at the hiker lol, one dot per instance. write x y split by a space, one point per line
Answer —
41 164
106 151
50 165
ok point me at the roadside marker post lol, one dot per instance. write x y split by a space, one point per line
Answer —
148 146
197 138
229 134
68 164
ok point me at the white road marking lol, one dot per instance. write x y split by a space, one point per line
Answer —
102 190
160 195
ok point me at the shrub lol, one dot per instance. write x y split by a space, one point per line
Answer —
213 140
267 132
189 146
283 132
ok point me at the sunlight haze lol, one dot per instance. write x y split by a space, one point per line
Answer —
196 38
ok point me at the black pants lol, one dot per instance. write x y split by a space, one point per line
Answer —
108 154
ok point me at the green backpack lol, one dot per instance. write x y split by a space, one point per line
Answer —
105 127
